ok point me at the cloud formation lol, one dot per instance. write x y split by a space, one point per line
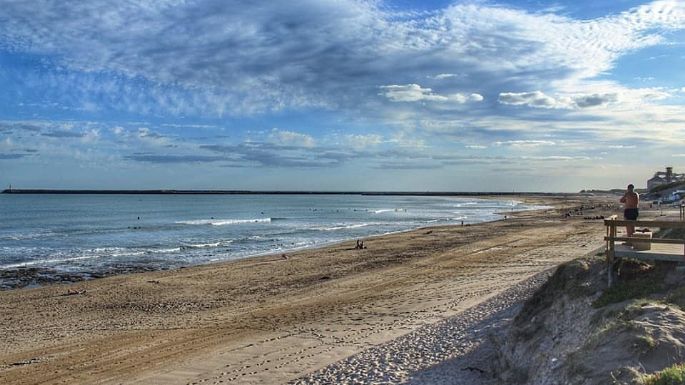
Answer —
538 99
526 143
63 134
229 56
415 93
169 158
291 138
343 81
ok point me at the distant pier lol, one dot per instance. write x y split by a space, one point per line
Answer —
255 192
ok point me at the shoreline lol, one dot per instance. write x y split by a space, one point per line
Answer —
27 275
266 320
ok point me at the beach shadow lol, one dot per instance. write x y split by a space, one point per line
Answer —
472 367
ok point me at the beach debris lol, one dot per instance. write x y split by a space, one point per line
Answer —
153 281
360 245
429 232
26 362
283 256
74 292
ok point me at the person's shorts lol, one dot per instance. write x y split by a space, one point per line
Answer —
630 214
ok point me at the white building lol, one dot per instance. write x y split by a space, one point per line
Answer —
661 178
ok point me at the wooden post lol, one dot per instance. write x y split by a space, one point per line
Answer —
610 248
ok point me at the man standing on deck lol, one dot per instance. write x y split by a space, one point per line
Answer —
630 202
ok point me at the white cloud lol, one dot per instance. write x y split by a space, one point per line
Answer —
291 138
525 143
143 136
444 76
146 133
402 139
357 141
539 99
234 58
476 147
468 98
645 78
557 157
91 135
410 93
531 99
118 130
415 93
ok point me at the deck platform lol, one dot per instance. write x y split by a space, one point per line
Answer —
658 251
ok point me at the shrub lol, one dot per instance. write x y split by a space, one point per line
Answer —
673 375
640 282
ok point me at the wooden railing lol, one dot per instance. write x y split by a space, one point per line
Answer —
673 249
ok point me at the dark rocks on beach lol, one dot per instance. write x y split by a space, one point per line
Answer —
22 277
34 276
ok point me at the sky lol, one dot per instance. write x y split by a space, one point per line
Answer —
368 95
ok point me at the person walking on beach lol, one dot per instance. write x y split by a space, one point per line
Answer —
630 202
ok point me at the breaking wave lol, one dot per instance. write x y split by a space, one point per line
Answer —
223 222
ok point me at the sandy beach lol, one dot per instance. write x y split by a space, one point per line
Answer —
276 319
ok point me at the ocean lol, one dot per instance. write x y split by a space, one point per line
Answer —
96 235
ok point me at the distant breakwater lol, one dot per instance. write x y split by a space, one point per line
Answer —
251 192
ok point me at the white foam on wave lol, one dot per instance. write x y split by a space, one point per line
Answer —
48 261
114 251
343 227
98 252
199 245
223 222
397 210
465 204
163 251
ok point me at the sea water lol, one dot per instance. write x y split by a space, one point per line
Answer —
100 234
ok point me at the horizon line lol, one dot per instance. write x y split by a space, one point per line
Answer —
265 192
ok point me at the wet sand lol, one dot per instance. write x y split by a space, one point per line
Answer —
273 320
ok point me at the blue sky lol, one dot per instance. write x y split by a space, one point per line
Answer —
341 95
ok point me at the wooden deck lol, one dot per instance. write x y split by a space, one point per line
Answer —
658 251
661 249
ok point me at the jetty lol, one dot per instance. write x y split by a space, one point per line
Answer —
278 192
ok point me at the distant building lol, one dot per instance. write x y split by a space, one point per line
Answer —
662 178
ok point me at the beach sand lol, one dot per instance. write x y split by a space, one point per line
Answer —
274 320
